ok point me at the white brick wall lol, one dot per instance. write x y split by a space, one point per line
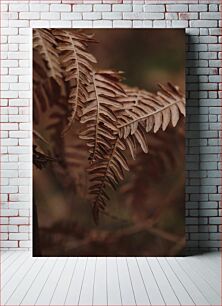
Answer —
203 76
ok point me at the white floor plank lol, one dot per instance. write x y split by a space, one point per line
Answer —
35 289
139 288
210 294
74 289
100 284
165 287
113 286
211 260
213 279
10 262
13 269
153 290
62 288
5 255
47 291
17 278
180 291
190 286
17 295
86 294
126 289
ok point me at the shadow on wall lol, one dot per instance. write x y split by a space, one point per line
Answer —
192 154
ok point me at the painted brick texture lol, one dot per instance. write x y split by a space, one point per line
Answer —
203 78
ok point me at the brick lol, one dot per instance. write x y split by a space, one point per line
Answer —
9 212
9 126
112 15
210 15
36 7
102 7
24 229
137 23
51 16
154 8
18 220
18 149
180 23
70 16
122 7
147 24
82 8
171 16
19 118
29 15
8 244
188 16
102 23
60 7
3 220
200 236
39 24
213 7
18 236
134 15
177 8
25 244
203 23
92 15
18 23
197 7
208 212
215 63
82 24
215 220
18 7
122 23
24 212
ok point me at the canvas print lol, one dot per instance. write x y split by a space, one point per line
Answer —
108 142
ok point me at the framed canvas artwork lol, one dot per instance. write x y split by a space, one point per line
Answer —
108 142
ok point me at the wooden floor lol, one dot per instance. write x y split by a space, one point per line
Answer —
192 280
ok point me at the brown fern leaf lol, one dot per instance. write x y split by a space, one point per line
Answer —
44 42
98 116
106 173
153 110
77 63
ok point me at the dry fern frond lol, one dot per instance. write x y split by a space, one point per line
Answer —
44 42
98 116
153 110
104 173
77 63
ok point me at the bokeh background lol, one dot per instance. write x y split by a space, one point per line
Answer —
146 213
